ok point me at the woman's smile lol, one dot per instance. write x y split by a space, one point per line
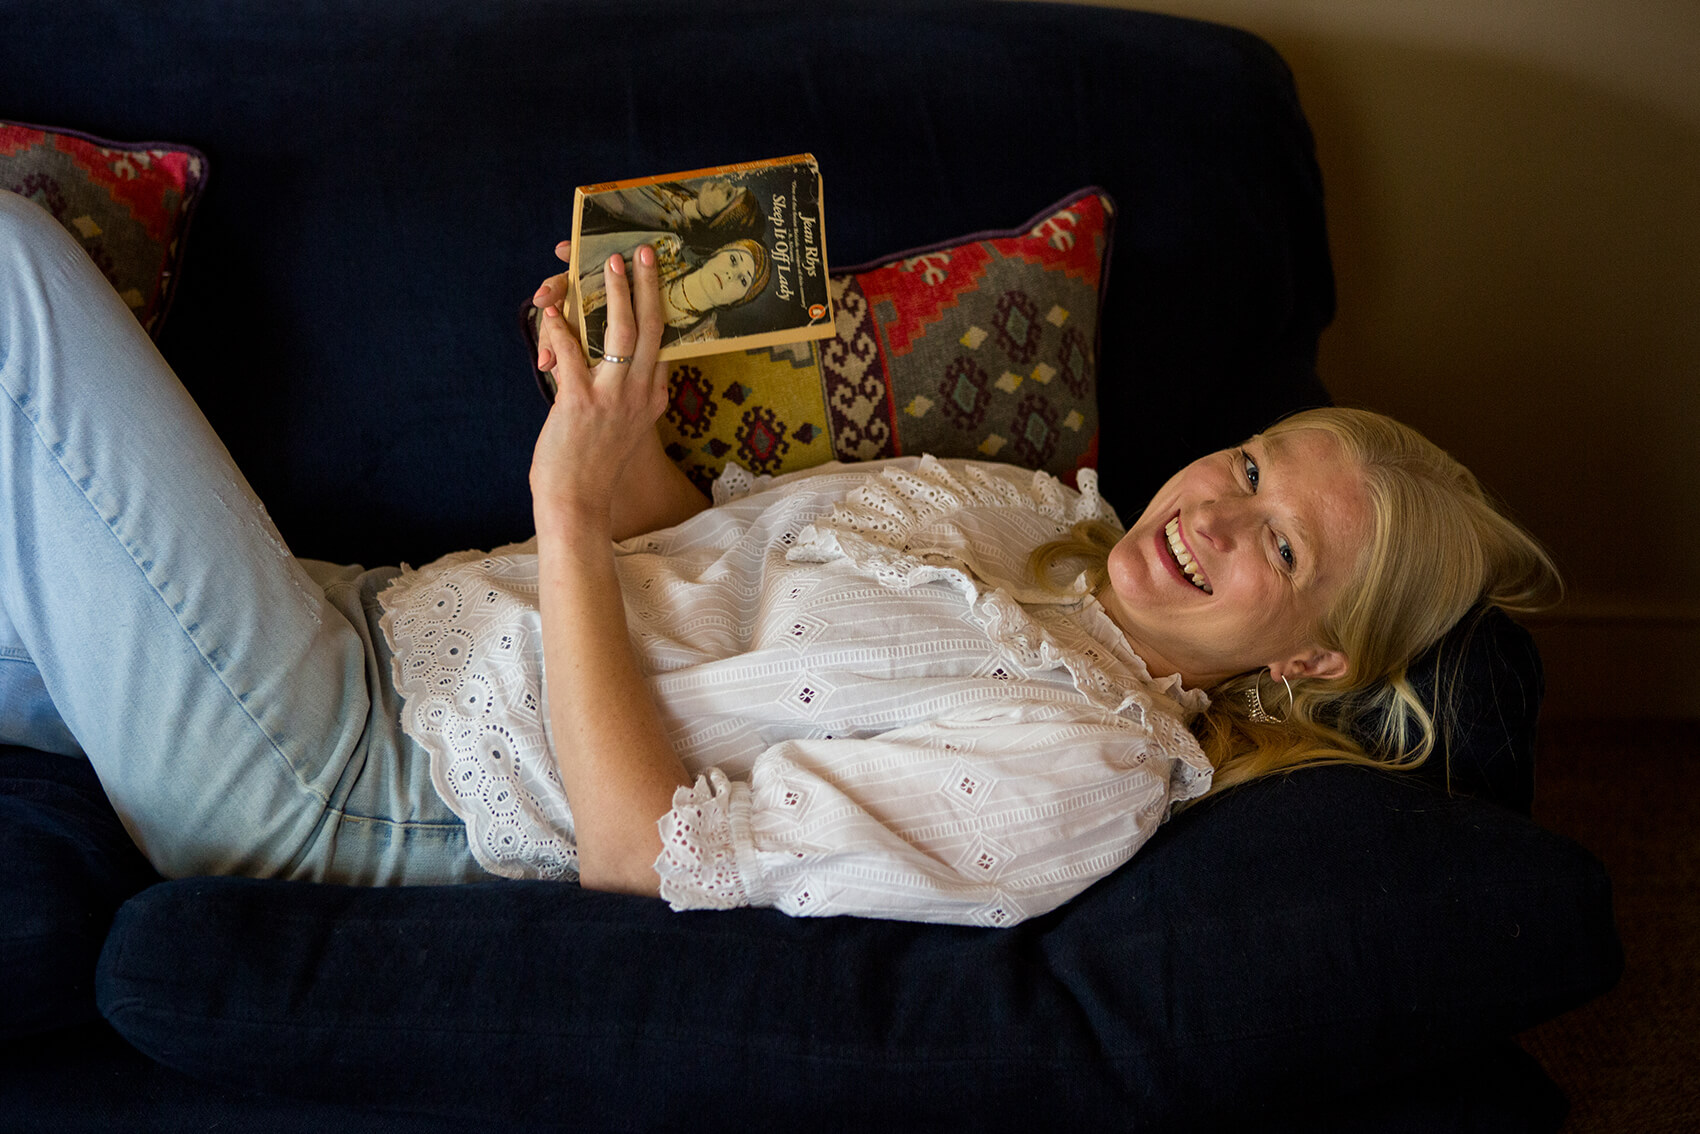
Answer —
1177 554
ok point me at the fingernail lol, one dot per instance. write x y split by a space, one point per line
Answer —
552 311
616 265
646 254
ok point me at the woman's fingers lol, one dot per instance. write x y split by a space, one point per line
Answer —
646 286
620 337
552 293
552 290
555 339
545 353
647 299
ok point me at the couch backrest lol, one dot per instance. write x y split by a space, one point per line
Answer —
387 182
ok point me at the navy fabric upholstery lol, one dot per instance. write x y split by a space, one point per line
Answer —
1488 672
65 865
1307 936
386 182
75 1081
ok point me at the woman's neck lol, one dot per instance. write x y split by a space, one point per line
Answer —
1155 664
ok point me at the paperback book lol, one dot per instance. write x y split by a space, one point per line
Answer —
741 251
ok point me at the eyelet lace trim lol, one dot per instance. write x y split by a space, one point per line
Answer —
736 482
707 856
467 662
896 501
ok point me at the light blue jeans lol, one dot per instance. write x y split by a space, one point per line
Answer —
235 702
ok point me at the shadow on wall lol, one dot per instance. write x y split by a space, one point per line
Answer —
1518 256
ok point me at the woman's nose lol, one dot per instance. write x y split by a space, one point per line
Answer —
1220 523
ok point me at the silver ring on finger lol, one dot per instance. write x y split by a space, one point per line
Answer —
617 359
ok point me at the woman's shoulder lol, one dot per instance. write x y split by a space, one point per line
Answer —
929 485
894 495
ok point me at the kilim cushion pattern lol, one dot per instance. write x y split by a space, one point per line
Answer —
129 205
984 346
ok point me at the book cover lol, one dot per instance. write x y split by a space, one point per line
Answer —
741 249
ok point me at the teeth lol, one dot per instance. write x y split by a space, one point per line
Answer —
1193 572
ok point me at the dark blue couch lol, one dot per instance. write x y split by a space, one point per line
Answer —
1333 950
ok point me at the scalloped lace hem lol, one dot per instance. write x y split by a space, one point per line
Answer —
470 699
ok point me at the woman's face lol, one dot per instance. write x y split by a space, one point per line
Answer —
727 275
1237 558
713 197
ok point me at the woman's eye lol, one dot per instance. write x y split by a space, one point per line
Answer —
1286 550
1251 473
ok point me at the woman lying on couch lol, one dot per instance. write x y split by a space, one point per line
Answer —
934 690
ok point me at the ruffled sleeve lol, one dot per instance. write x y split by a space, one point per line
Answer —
701 840
985 822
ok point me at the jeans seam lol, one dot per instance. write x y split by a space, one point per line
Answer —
270 740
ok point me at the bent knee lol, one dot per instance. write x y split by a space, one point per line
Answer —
26 225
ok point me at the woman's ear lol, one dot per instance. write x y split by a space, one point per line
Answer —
1318 663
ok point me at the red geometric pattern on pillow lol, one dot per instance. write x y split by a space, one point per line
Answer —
985 346
128 204
921 288
137 178
1063 240
16 139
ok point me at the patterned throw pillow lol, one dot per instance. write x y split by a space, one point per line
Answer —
129 205
984 346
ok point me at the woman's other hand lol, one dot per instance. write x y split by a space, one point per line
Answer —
600 415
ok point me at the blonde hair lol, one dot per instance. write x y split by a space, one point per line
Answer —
1437 548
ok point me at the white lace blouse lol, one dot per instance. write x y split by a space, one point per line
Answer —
883 716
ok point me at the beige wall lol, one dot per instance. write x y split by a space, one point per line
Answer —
1514 206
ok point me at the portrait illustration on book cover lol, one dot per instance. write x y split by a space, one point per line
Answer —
740 249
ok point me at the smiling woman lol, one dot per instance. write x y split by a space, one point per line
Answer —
1327 552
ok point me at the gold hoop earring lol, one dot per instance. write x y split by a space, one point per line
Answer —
1254 702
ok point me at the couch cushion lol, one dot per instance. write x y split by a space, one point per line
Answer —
1487 671
65 865
128 203
1312 958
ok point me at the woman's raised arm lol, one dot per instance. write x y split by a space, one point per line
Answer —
652 492
617 765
